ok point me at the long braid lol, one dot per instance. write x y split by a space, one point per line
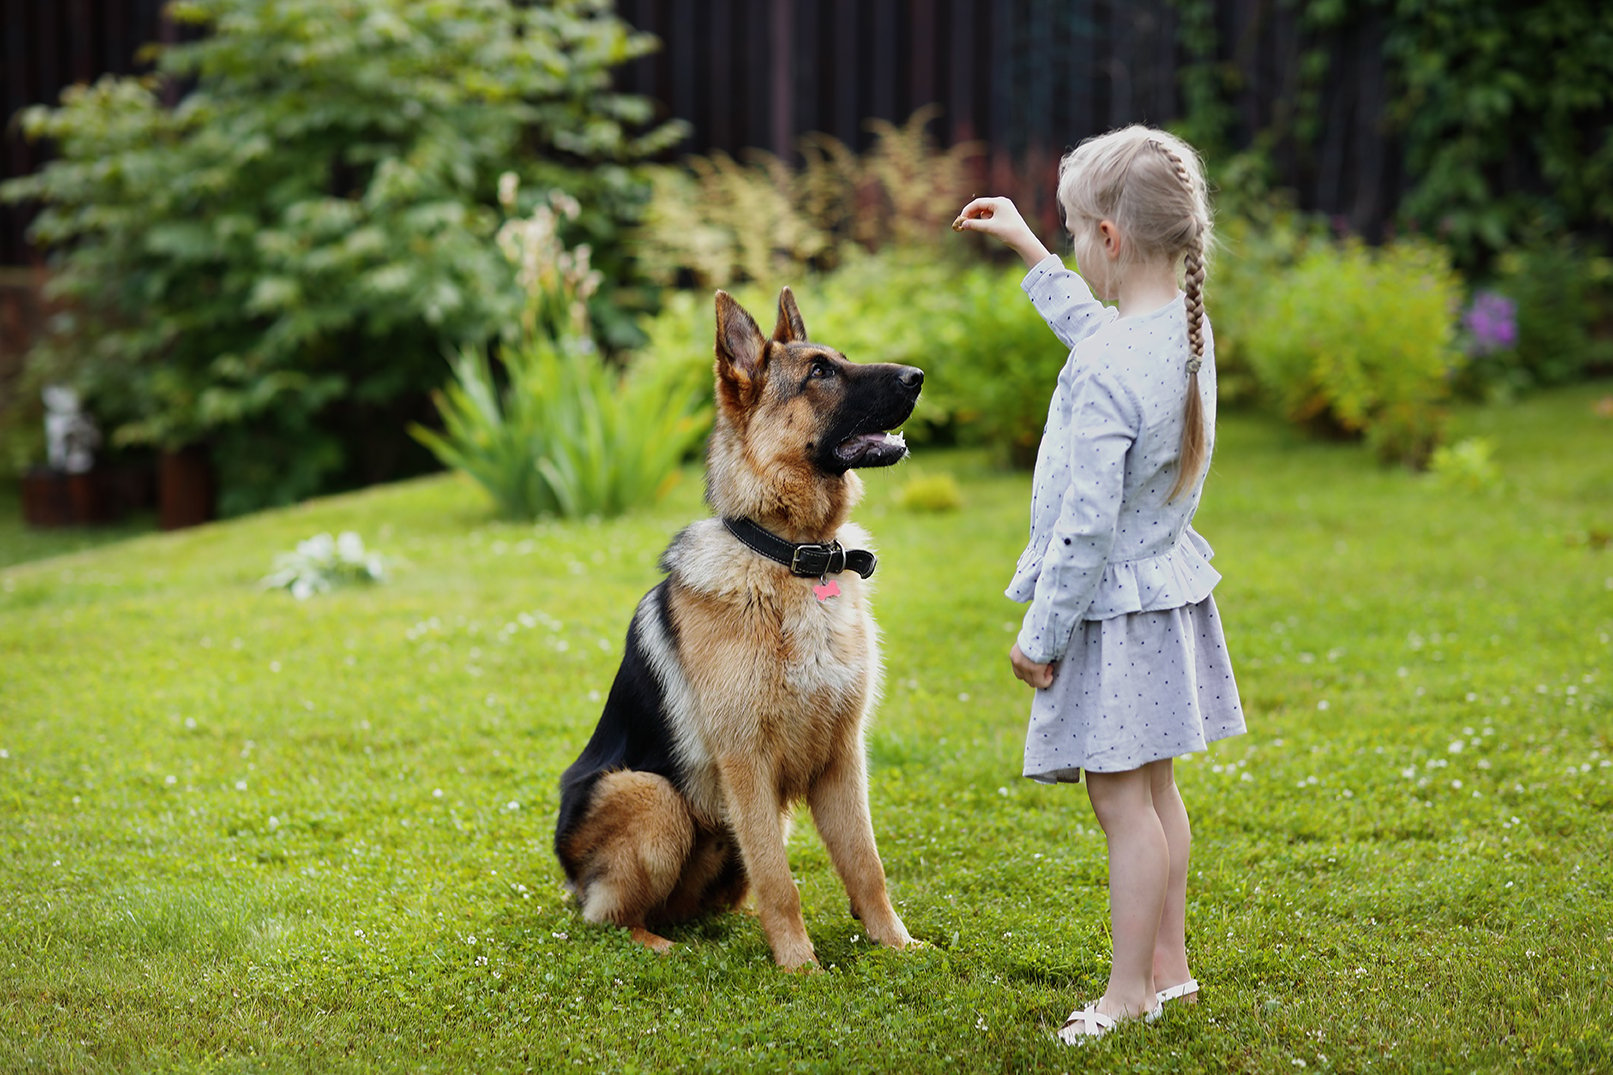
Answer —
1192 452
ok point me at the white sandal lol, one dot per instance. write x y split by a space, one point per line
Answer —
1189 988
1088 1022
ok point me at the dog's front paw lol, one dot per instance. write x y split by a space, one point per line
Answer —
894 935
797 957
653 941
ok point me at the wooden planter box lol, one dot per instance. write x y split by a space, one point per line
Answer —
52 498
186 494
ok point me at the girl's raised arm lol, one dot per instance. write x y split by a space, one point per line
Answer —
1000 219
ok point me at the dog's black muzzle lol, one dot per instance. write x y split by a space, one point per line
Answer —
880 397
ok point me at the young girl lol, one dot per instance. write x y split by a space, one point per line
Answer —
1122 640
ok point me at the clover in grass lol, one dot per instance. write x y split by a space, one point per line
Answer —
323 563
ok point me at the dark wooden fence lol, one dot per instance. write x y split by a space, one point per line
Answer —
1027 78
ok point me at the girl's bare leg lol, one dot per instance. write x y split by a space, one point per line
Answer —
1139 875
1170 947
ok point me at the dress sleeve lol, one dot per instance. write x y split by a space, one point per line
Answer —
1104 421
1065 301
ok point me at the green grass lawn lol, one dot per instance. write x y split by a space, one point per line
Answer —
19 542
243 833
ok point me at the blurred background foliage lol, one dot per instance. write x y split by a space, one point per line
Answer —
277 266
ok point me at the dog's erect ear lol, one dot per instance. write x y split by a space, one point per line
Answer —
790 327
741 349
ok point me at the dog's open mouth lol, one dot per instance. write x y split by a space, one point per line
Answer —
872 449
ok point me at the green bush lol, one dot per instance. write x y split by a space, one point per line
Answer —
1562 295
1357 340
999 360
930 494
1259 238
720 223
276 265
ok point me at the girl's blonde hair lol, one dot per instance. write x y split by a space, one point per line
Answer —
1151 184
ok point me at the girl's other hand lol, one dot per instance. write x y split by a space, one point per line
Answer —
1000 219
1037 675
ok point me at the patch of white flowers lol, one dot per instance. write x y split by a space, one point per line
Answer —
323 563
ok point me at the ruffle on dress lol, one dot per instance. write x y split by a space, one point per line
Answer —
1181 575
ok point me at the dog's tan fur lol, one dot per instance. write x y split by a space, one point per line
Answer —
767 687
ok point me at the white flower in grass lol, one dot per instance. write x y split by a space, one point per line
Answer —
322 563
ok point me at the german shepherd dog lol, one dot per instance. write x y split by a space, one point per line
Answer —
747 679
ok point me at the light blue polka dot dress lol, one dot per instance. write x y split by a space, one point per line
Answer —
1119 582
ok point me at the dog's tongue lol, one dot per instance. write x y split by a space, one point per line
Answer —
871 449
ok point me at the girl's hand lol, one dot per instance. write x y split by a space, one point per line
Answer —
1000 219
1039 676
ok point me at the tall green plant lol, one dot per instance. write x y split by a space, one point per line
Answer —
276 264
565 434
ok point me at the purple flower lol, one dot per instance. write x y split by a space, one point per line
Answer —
1491 322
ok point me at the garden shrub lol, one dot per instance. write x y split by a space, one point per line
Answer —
930 494
1539 322
1562 293
276 265
1259 238
717 222
1358 340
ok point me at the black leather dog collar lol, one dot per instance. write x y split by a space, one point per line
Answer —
808 561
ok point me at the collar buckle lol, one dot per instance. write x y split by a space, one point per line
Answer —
816 561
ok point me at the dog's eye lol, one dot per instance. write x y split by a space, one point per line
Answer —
821 369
